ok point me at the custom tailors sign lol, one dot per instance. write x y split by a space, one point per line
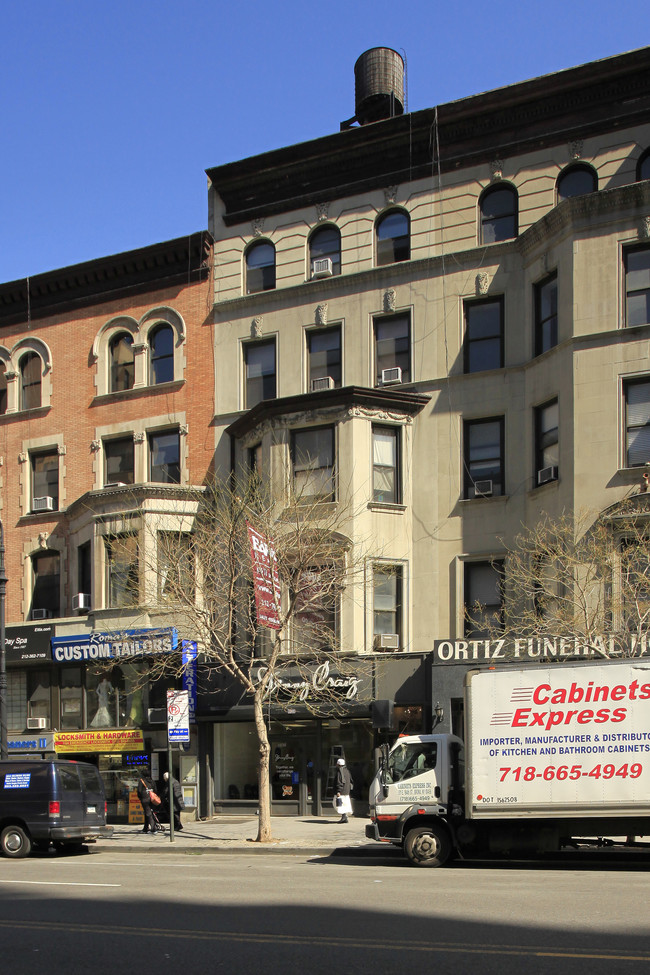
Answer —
568 737
113 646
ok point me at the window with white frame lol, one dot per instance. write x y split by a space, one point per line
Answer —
386 488
313 457
165 457
484 457
122 571
637 286
387 602
324 353
45 480
637 422
393 349
393 232
547 454
119 460
260 380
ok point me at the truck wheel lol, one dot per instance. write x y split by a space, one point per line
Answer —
15 842
428 846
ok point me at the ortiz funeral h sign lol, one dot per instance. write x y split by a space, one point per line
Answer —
535 649
266 581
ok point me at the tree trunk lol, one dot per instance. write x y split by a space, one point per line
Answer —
264 825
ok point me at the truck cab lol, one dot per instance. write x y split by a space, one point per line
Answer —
414 794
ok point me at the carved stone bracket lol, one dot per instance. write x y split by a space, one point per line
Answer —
42 539
22 457
256 327
576 148
482 283
60 449
390 194
322 211
257 226
644 228
321 314
183 429
390 299
139 436
496 169
95 445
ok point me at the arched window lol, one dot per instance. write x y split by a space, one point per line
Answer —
643 166
576 181
161 362
121 362
499 207
324 246
393 231
30 381
3 388
260 267
47 585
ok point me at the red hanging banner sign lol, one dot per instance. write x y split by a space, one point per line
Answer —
266 581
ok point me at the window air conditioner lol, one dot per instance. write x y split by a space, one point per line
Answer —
41 614
81 601
115 484
547 474
43 504
157 715
321 268
387 641
391 376
483 489
325 383
36 723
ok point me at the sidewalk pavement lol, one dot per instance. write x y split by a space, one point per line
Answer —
308 836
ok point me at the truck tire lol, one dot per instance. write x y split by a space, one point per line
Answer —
428 846
15 842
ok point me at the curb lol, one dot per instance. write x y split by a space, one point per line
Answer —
249 849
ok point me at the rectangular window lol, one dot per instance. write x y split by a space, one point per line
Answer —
315 620
16 700
483 599
393 346
119 464
387 584
546 314
45 481
637 423
546 443
324 347
637 286
385 465
176 576
484 474
122 575
165 457
46 596
259 359
312 454
71 699
483 335
84 573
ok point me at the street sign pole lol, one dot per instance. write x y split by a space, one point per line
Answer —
178 729
170 791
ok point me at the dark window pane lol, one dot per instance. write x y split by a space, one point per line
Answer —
30 381
546 437
121 363
325 354
46 594
638 423
483 598
45 476
393 238
118 456
546 315
122 570
387 600
323 243
576 182
162 355
483 336
260 268
313 463
643 170
393 345
483 455
498 215
637 286
3 388
165 464
385 470
260 372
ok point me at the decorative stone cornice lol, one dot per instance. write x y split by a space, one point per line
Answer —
482 283
321 314
390 298
256 327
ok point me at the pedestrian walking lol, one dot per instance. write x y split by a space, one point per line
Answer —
145 790
343 787
173 785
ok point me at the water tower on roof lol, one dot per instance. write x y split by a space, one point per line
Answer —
378 86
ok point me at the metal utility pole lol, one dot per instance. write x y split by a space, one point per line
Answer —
3 659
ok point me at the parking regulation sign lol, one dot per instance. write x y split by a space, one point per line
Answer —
178 716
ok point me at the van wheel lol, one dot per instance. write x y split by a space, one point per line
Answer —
428 846
15 842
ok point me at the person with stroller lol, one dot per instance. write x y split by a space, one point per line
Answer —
145 788
177 798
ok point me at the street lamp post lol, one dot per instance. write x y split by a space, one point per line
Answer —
3 659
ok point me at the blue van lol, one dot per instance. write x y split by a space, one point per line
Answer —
43 802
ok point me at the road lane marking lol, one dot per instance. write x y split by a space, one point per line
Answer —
56 883
247 937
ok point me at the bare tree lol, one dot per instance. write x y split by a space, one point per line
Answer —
583 579
198 564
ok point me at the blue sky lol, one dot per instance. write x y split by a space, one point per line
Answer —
112 112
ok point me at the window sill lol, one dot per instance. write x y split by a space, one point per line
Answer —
25 414
137 391
387 506
491 497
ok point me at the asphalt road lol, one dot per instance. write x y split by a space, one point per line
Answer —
165 912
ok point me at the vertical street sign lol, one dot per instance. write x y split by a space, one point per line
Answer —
178 716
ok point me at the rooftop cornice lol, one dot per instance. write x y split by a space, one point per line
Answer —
185 259
573 104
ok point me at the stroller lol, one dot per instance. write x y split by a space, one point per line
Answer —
158 826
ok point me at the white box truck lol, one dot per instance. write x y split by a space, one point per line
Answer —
552 753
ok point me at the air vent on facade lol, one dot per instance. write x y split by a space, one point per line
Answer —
391 376
41 614
81 601
483 489
321 267
325 383
387 641
43 504
36 723
547 474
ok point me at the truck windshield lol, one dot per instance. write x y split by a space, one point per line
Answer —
411 758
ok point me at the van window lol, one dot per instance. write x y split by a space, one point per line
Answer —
68 779
90 779
411 759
